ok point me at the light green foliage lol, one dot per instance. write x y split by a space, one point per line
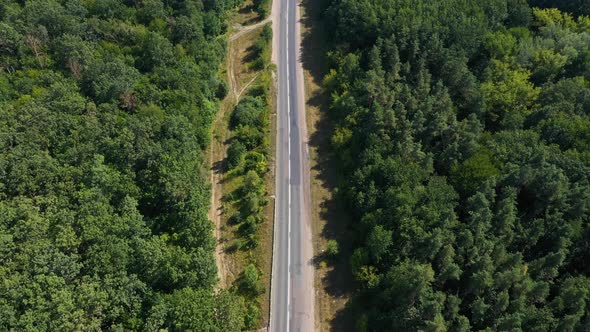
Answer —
500 44
235 154
508 94
332 248
199 310
249 112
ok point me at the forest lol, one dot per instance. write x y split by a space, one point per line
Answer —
462 131
105 110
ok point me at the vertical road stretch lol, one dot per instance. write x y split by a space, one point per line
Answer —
292 283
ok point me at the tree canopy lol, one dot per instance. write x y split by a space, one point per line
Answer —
105 108
462 133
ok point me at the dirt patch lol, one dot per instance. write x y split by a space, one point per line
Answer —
217 157
334 282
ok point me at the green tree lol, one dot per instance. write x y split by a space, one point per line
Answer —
251 283
508 94
332 248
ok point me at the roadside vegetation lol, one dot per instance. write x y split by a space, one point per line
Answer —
105 111
247 167
242 154
262 7
461 130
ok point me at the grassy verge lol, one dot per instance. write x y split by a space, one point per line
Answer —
333 280
241 157
246 194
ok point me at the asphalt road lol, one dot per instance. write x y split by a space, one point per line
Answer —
292 293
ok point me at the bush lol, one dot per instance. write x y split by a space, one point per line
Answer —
222 90
252 316
259 91
266 34
332 248
251 283
235 154
262 7
248 112
250 136
262 48
255 161
249 226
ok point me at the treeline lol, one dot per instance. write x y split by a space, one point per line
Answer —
462 131
105 108
576 7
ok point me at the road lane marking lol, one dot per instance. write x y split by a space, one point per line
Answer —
288 170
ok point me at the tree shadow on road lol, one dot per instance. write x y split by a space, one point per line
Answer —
335 273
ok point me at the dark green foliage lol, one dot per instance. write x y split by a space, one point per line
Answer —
222 90
247 158
235 154
250 282
578 7
249 112
247 163
461 129
105 108
262 48
262 7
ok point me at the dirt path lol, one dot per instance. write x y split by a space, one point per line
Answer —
241 30
218 149
216 157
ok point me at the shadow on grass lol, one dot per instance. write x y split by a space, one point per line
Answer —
245 10
249 10
252 53
338 282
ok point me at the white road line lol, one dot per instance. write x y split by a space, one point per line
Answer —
288 175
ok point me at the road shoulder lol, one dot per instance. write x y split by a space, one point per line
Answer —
333 280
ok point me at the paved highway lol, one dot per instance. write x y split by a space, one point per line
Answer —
292 292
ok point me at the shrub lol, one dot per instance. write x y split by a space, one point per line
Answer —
251 283
235 154
248 112
332 248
